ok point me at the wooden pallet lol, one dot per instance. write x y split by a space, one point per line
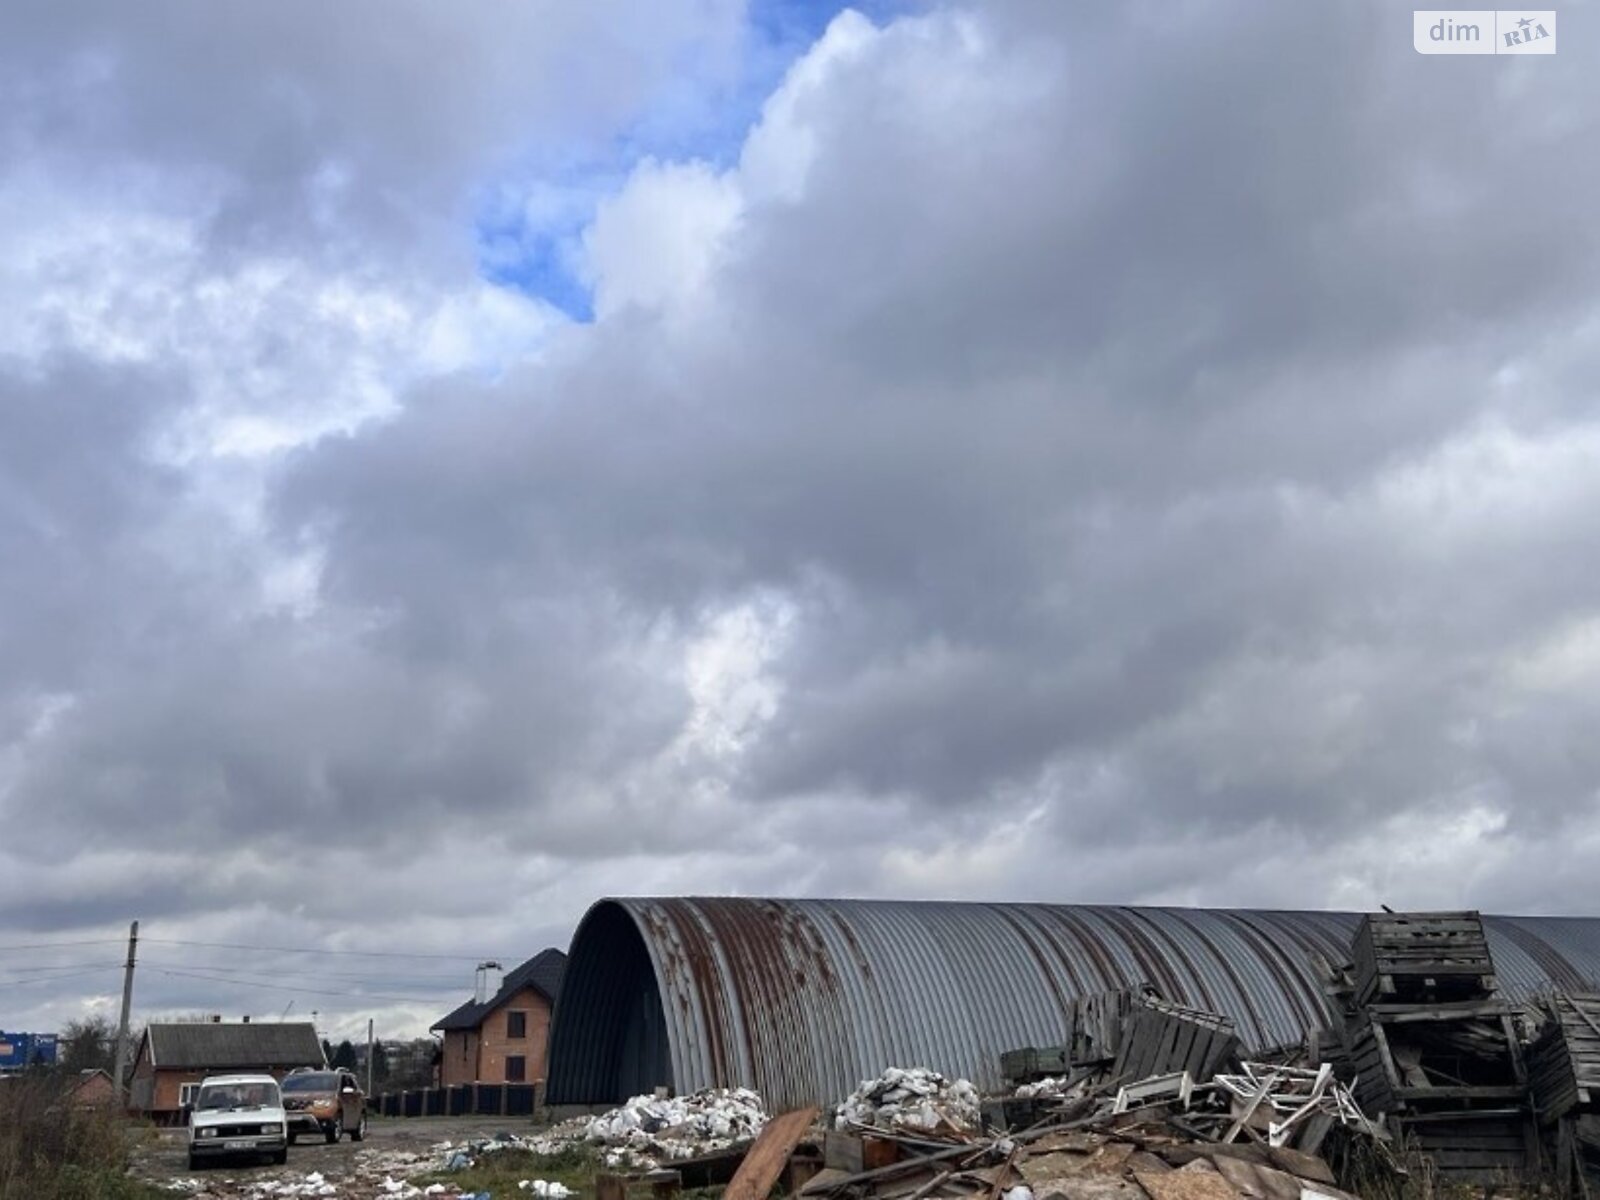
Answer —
1404 956
1564 1061
1160 1038
1097 1025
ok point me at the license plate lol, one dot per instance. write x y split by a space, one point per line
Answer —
238 1145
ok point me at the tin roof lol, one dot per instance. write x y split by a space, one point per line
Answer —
214 1045
802 999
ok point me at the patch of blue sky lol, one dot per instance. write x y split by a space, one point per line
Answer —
529 229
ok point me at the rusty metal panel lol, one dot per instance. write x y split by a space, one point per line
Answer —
802 999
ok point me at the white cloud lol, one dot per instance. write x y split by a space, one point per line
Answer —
1022 452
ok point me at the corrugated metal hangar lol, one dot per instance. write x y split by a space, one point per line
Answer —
802 999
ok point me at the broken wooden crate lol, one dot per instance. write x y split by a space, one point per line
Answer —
1422 955
1161 1038
1410 1058
1564 1060
1477 1146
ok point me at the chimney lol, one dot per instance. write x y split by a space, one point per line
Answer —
216 1018
246 1018
487 982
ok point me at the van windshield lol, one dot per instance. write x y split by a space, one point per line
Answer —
225 1096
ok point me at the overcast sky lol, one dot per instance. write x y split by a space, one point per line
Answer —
459 461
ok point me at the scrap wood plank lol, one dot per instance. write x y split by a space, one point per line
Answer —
910 1166
1097 1187
825 1180
1306 1166
1186 1185
769 1155
1040 1170
1109 1159
1578 1009
1257 1182
933 1185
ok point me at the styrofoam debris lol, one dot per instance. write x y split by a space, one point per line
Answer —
1021 1192
312 1185
546 1189
647 1130
911 1098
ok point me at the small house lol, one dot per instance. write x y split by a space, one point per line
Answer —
93 1089
172 1059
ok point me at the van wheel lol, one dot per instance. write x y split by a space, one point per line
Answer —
359 1133
334 1130
194 1163
293 1138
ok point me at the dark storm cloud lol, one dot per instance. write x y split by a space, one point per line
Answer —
1156 439
1038 374
76 494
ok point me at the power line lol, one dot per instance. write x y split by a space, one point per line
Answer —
440 981
278 987
57 978
61 945
314 950
58 967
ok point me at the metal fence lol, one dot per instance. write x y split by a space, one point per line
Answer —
463 1100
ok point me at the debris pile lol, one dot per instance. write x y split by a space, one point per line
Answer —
1163 1107
911 1099
648 1130
1159 1152
711 1118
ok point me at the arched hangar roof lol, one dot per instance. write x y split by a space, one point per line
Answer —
802 999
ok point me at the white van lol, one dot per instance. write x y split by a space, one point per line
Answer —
238 1114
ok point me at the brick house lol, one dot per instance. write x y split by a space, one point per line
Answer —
172 1059
93 1089
506 1038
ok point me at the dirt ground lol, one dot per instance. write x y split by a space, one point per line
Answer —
393 1149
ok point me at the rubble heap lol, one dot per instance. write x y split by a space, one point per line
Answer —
650 1130
911 1099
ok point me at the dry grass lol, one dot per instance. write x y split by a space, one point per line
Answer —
52 1151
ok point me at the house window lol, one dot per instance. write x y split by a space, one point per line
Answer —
186 1093
516 1024
516 1068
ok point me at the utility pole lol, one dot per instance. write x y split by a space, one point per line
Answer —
120 1067
369 1056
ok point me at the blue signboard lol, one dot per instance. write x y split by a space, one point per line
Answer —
19 1050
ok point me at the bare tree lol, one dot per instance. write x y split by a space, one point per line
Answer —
87 1044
